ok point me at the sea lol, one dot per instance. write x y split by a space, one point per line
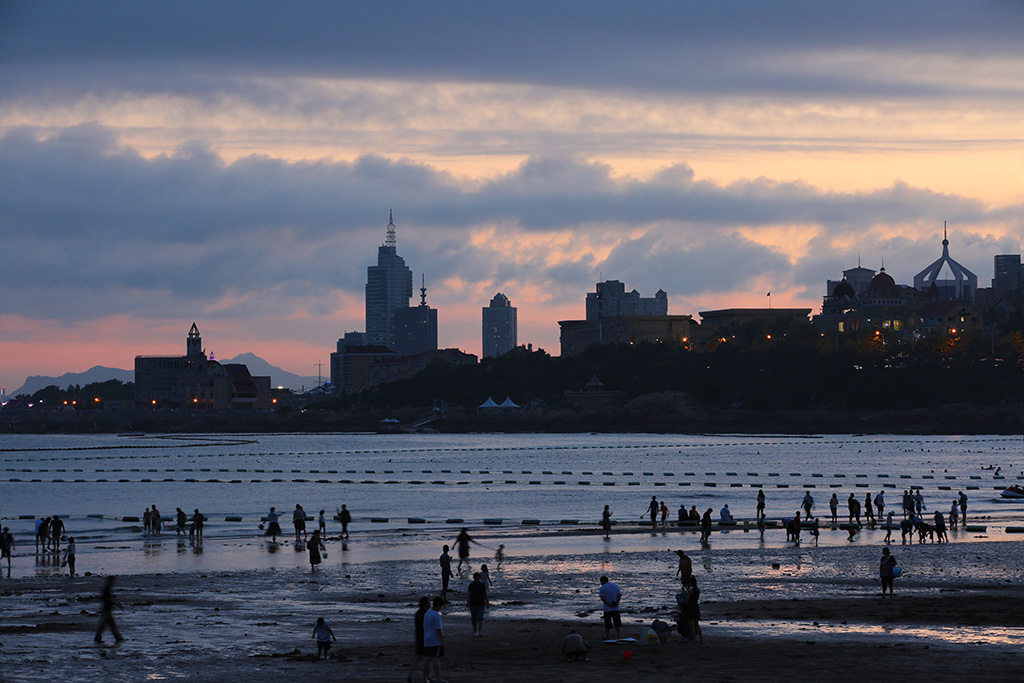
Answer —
403 488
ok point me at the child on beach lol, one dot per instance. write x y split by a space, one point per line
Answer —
323 634
499 556
321 523
485 575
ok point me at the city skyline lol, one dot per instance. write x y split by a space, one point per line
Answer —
234 164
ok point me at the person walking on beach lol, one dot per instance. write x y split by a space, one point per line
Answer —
888 527
962 497
478 603
652 509
462 542
908 504
273 527
869 513
346 518
197 525
664 515
499 555
181 521
69 556
155 521
299 522
833 505
610 595
147 521
321 524
606 522
433 641
880 503
705 526
886 570
324 635
954 512
807 504
919 502
446 572
315 545
685 565
760 504
56 531
107 604
417 621
6 547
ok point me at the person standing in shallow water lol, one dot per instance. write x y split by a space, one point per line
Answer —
299 522
197 524
107 604
833 506
69 556
653 509
273 526
182 520
346 518
760 504
606 521
315 546
705 526
446 572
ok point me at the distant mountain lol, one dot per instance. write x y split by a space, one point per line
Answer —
278 377
257 366
97 373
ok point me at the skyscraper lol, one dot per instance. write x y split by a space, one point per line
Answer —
415 328
499 327
388 288
1008 273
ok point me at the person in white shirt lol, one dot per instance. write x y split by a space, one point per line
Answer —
610 596
433 642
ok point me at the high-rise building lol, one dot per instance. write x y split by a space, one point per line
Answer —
415 328
612 300
388 288
1008 273
500 328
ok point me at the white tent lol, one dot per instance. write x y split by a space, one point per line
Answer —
507 403
489 403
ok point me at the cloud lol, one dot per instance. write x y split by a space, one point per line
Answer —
101 230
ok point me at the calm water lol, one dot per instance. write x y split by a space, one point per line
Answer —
475 477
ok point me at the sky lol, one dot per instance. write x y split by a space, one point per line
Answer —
233 163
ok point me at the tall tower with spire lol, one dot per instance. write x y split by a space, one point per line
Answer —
388 288
416 328
961 285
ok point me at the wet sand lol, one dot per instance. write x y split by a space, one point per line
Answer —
958 614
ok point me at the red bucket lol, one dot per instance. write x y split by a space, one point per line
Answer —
627 654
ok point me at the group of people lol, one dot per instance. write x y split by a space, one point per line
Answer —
314 541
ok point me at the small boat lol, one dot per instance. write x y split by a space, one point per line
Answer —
1014 491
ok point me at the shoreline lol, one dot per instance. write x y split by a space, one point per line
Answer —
818 612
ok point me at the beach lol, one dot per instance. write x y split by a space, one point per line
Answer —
768 612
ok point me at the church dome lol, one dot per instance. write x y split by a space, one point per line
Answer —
843 289
882 281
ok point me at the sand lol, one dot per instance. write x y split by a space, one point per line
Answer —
957 615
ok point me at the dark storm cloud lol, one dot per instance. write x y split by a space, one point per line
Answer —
95 226
206 48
